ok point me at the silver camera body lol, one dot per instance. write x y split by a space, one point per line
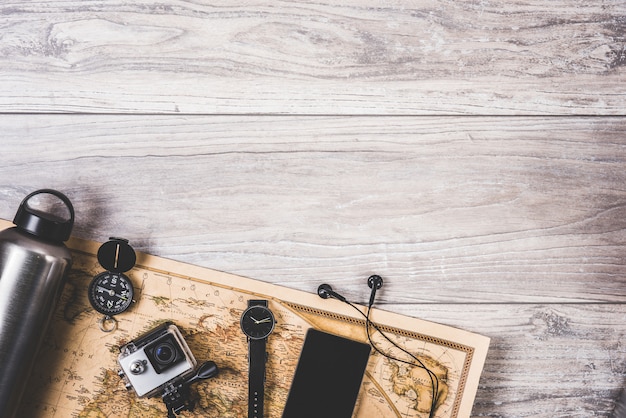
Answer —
156 359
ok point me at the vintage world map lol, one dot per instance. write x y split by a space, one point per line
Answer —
76 372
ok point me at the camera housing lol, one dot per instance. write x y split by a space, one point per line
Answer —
155 359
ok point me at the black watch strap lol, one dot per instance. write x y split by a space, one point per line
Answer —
256 371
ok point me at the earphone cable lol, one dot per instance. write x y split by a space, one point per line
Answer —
434 380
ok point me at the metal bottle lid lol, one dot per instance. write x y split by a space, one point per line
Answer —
43 224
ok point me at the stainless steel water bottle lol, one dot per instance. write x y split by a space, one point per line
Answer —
33 265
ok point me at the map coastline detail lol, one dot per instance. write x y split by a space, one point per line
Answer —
76 372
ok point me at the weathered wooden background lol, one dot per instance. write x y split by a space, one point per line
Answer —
473 153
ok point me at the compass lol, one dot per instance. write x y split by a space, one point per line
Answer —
111 292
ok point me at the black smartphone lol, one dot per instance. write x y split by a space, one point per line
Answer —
327 378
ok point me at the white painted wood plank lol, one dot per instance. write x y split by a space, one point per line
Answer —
447 209
304 57
544 360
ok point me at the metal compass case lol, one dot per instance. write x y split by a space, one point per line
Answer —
111 292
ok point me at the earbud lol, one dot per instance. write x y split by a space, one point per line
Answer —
375 282
325 291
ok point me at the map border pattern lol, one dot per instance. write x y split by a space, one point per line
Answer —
469 373
469 351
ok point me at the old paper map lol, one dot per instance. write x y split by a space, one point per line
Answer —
76 372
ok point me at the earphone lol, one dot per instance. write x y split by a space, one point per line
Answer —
325 291
375 282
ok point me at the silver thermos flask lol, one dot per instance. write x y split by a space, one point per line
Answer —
33 265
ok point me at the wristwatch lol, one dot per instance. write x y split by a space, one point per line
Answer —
257 323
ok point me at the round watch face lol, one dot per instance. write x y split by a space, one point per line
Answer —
257 322
110 293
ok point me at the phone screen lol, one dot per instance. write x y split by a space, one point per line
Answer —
327 378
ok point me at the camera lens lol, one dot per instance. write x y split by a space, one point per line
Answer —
164 353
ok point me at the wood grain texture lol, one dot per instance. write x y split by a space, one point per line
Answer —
475 222
473 153
544 360
386 57
460 209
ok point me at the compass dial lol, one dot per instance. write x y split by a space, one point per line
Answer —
110 293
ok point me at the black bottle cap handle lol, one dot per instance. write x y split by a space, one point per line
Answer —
44 224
